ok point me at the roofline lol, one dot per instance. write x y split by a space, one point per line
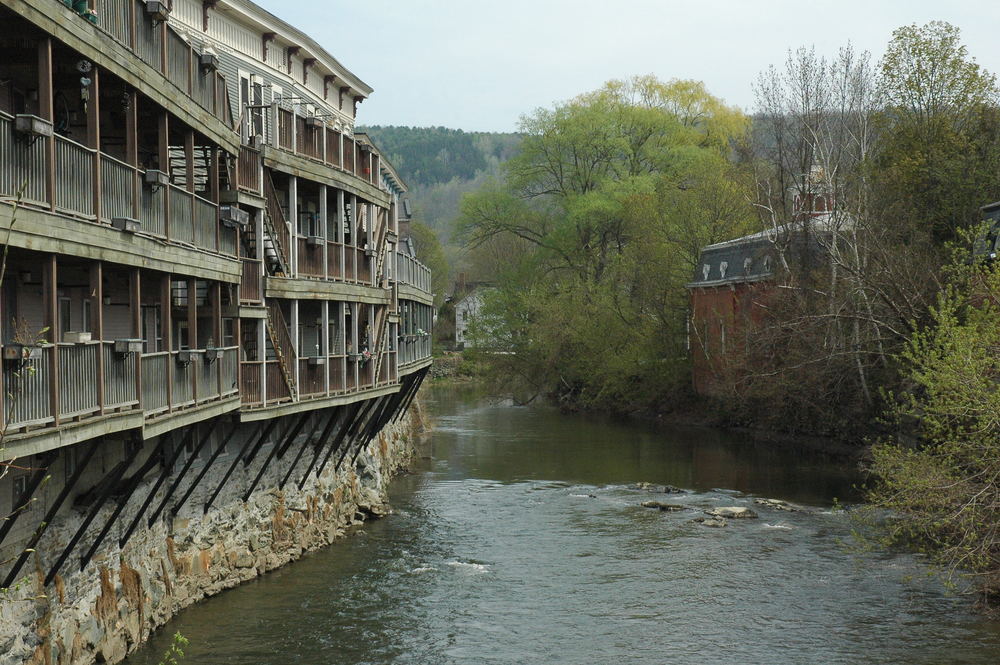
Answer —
729 282
296 37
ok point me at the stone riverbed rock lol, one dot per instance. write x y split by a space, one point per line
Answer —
711 521
666 507
776 504
732 512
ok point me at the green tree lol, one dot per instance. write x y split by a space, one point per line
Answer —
431 254
940 476
605 206
939 154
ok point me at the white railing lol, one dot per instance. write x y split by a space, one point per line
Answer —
78 365
117 188
22 163
155 381
74 177
206 220
26 390
119 378
181 215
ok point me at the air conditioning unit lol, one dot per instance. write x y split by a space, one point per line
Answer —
125 346
32 125
157 10
126 224
257 141
314 241
209 61
233 217
312 122
156 178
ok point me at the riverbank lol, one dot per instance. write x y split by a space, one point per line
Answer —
103 616
453 368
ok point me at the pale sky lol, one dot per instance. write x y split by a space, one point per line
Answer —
480 65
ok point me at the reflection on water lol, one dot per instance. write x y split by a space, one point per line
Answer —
522 541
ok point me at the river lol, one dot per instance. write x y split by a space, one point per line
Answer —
518 539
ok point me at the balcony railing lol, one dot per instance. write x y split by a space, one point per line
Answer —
410 271
249 170
251 290
167 383
24 166
125 21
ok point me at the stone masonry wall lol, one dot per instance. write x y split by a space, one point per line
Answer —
103 613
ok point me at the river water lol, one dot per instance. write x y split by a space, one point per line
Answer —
518 539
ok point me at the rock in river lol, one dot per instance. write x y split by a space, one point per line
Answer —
711 521
668 507
777 504
734 512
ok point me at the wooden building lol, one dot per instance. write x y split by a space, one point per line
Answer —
201 262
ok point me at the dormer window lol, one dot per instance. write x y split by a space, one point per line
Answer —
705 271
747 264
767 264
723 267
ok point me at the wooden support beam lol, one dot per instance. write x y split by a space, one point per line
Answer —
298 456
342 430
372 428
168 465
268 429
133 485
201 474
108 484
236 460
288 439
166 333
21 502
418 378
270 456
352 435
206 437
51 514
334 414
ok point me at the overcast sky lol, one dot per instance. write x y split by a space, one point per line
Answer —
480 65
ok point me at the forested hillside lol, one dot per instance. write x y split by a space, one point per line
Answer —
441 164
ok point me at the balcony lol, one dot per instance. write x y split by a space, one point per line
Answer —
57 385
168 212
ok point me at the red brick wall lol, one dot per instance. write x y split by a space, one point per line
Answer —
722 318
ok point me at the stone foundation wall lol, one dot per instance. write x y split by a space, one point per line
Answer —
103 613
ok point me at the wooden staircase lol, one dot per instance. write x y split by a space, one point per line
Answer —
275 241
281 344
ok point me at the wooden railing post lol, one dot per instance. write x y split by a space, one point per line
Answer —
94 136
135 321
163 158
132 147
192 323
51 290
217 330
46 110
96 297
166 334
